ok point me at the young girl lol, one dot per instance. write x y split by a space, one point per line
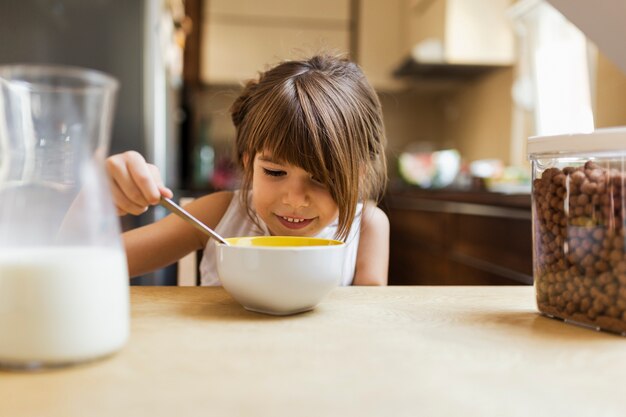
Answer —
310 143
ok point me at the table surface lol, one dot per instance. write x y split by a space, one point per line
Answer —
391 351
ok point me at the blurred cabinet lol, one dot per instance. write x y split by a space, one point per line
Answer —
408 36
381 41
459 239
465 32
242 37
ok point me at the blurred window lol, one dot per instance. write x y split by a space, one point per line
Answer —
555 78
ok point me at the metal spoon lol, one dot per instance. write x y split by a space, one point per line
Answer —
176 209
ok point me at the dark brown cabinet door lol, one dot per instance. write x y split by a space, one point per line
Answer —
456 243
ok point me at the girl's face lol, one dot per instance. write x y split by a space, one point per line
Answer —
289 200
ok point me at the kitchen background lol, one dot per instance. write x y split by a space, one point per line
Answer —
463 83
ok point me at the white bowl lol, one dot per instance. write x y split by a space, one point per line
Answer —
280 275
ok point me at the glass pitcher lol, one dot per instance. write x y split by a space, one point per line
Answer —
63 272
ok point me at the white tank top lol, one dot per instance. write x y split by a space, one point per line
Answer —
236 222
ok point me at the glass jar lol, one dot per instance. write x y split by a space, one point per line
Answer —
578 206
63 270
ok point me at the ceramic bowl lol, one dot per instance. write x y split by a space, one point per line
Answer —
280 275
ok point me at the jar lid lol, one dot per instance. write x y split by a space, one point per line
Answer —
607 139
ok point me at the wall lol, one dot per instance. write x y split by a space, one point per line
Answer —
610 95
478 117
411 119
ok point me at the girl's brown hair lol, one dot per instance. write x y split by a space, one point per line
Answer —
319 114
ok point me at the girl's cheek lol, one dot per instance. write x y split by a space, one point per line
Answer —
259 205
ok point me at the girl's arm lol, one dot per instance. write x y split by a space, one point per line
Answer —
372 259
164 242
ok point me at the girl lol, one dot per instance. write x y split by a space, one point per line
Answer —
310 143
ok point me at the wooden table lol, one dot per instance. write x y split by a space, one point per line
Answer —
395 351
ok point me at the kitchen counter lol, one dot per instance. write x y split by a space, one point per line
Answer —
446 237
455 200
392 351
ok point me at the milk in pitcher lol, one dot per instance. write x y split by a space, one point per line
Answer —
61 305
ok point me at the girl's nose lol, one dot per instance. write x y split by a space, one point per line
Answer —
296 194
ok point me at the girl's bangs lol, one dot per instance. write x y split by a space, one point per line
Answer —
291 141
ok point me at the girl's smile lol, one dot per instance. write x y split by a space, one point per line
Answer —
294 223
289 200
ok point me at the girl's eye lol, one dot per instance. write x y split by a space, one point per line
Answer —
273 173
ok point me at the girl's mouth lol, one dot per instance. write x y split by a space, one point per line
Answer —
294 223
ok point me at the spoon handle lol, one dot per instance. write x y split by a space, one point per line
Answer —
176 209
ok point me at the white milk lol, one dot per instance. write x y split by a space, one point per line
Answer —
62 305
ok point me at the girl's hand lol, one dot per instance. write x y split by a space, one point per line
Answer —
135 184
